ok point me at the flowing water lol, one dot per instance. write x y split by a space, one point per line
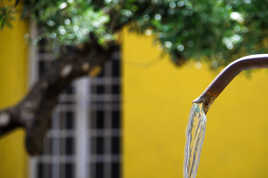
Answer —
195 134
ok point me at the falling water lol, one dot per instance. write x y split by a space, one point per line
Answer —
195 134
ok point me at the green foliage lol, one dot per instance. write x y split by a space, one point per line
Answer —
68 22
7 10
187 29
6 16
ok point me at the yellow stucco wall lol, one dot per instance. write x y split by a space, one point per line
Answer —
13 80
157 100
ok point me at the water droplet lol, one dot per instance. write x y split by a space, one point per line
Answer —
76 28
172 4
237 17
53 35
229 42
63 5
62 30
148 32
180 47
236 38
67 21
168 44
51 23
157 17
127 13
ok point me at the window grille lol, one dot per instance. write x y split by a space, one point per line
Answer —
105 132
85 136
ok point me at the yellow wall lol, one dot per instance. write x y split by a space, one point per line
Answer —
157 100
13 77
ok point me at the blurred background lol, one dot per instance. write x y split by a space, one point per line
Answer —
132 122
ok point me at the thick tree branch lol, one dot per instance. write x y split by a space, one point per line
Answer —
33 113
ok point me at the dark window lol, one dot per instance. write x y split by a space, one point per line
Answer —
69 90
59 147
115 145
106 121
97 145
69 120
100 89
59 157
99 170
42 67
116 121
116 89
69 170
100 119
69 146
116 68
115 170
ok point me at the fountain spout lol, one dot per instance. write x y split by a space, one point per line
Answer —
227 75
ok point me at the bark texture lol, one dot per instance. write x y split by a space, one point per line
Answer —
34 111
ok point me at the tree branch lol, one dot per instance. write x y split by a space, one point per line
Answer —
34 112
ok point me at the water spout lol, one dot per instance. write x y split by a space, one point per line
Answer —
197 121
227 75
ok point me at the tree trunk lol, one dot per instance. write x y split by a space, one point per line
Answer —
34 111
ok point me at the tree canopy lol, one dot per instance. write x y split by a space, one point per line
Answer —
186 29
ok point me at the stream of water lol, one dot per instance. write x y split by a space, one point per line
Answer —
195 134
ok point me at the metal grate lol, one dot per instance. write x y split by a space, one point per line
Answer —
85 136
105 132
